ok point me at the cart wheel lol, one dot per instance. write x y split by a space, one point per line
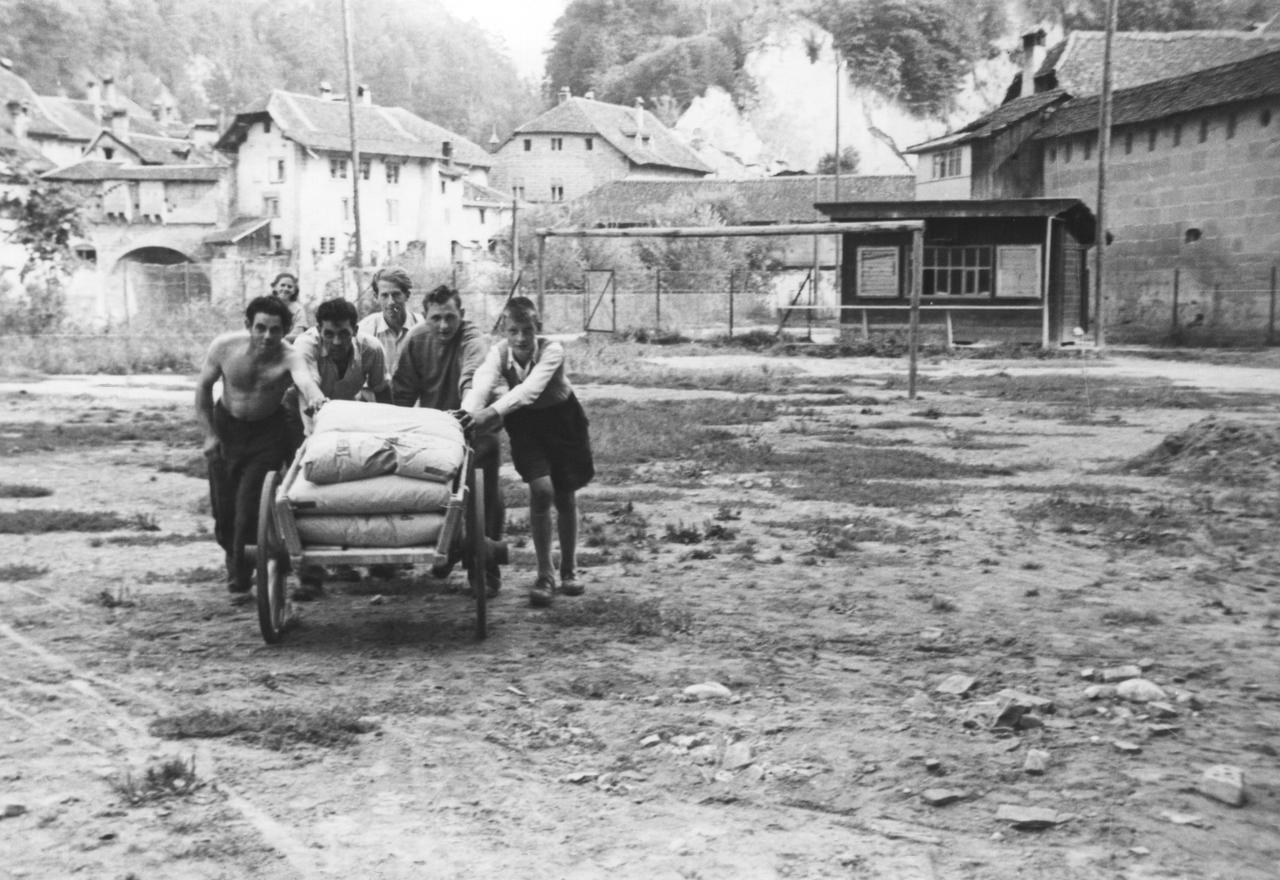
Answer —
272 567
475 550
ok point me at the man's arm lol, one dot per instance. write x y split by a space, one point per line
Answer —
404 382
210 372
483 381
471 354
535 383
307 386
375 370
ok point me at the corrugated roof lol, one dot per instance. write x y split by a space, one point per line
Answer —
239 228
762 200
96 169
650 143
476 194
1000 118
1139 57
322 124
1242 81
1073 211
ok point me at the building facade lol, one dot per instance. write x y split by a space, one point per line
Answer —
582 143
292 168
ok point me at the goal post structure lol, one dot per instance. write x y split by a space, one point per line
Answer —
915 227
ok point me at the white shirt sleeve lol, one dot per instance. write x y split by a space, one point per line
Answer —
535 383
484 380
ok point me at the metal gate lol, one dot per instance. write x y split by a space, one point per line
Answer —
600 302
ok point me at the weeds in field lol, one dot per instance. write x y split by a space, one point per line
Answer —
725 513
18 571
275 728
23 490
631 617
120 597
150 540
44 437
34 522
1130 617
679 533
163 778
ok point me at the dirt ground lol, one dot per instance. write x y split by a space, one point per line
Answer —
565 745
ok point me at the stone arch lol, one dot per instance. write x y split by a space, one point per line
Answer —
154 281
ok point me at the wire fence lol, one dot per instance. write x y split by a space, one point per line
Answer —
1181 307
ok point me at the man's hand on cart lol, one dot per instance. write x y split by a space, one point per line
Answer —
464 419
486 419
315 406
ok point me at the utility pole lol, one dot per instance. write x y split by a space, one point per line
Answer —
351 125
836 52
1104 148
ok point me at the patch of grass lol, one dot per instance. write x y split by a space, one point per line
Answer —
1130 617
627 433
1067 389
151 540
162 779
120 597
171 430
18 571
23 490
1112 519
275 728
682 534
636 495
631 617
34 522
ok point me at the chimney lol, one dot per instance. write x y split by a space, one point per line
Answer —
365 94
109 92
326 90
119 123
93 94
20 118
589 94
639 115
446 150
564 94
1032 58
494 142
157 110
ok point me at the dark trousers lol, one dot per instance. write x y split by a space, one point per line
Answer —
247 451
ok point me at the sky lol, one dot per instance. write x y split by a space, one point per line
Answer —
524 25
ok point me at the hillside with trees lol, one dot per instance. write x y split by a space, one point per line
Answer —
218 55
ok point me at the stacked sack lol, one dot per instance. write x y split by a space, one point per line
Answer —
376 475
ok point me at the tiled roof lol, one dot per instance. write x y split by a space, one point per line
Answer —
96 169
80 116
1002 117
1242 81
475 194
15 88
1139 57
322 124
762 200
617 125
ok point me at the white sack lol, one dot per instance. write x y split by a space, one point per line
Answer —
385 419
387 494
426 457
404 530
339 458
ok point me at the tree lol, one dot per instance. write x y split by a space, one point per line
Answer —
46 222
849 160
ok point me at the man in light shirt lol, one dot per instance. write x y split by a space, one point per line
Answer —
392 287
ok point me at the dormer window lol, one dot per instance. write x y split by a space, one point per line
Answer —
947 163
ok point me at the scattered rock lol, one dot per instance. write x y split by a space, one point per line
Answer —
708 690
1036 763
1223 782
1188 699
1194 819
579 777
1100 692
1123 745
736 756
934 766
956 684
1119 673
1159 709
1163 729
1146 663
1088 673
1030 722
1029 702
704 754
940 797
1028 818
918 702
13 810
378 600
1139 850
651 740
1140 690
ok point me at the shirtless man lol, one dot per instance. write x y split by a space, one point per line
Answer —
245 433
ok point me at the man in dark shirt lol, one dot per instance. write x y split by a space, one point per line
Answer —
436 364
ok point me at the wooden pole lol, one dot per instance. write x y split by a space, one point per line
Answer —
1271 318
1046 285
732 274
351 125
913 332
657 299
542 276
515 239
1173 320
1104 149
